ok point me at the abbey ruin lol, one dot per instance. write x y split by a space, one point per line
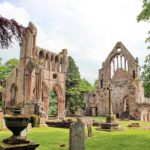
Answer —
122 71
39 71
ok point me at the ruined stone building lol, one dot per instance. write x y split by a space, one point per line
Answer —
121 70
39 71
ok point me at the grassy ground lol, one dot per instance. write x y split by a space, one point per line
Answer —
129 139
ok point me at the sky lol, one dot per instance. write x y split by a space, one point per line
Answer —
89 29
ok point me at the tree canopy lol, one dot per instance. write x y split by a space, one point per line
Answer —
9 30
7 67
145 16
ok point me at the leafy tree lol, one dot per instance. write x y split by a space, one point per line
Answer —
53 104
72 86
9 30
84 87
10 64
146 77
75 87
6 68
145 16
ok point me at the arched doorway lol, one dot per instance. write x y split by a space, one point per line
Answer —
53 104
56 102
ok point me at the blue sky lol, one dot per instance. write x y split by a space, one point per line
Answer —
89 29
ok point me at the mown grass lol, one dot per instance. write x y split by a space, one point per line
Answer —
129 139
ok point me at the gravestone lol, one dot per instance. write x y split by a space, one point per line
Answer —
89 128
77 136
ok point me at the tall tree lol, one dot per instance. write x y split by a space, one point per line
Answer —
145 16
72 86
9 30
75 87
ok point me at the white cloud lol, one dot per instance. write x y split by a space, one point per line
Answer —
88 29
10 11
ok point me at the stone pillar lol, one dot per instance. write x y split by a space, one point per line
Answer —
77 136
125 64
113 66
117 62
120 61
110 101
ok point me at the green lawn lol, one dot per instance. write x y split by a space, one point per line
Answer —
129 139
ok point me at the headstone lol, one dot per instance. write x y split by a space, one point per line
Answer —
89 128
77 136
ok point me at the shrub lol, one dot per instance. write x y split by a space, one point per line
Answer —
34 120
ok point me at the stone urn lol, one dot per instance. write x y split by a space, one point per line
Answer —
16 123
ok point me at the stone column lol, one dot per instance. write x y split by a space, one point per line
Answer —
110 101
117 61
125 64
121 61
113 66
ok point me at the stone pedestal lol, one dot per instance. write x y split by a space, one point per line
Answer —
29 146
110 126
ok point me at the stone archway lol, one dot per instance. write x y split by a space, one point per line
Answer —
60 101
53 104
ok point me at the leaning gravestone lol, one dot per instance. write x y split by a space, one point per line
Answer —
77 136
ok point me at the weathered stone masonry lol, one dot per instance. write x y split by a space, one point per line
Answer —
121 70
38 72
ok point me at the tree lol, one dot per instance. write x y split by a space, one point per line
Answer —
146 77
145 16
53 104
75 87
9 30
84 87
72 85
6 68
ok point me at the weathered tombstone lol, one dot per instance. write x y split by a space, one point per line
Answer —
89 128
77 136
